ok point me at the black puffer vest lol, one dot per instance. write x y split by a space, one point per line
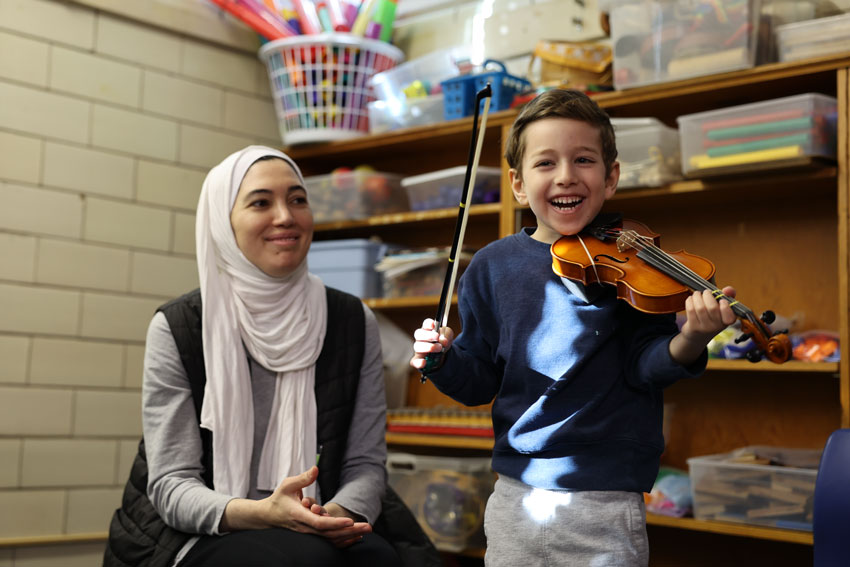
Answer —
137 535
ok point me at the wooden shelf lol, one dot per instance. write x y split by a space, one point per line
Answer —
440 441
764 184
37 541
417 302
742 80
412 217
764 366
728 528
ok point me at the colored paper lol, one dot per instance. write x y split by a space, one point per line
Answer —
753 119
761 128
776 142
706 162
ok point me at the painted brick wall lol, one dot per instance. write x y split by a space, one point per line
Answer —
107 128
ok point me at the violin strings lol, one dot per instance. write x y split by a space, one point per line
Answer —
664 262
695 281
589 257
659 257
676 269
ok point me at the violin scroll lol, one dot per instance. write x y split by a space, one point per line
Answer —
776 347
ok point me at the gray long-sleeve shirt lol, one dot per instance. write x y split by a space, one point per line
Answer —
174 450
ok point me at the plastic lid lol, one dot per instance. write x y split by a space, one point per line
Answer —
444 173
622 124
818 24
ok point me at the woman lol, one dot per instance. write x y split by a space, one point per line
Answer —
252 381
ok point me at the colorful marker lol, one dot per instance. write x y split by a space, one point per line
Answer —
385 15
363 17
308 16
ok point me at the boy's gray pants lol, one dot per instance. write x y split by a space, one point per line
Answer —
530 527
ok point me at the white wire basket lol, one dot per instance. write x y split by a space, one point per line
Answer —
320 84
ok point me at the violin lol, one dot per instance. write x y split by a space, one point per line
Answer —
626 254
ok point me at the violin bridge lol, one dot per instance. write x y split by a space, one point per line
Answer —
626 240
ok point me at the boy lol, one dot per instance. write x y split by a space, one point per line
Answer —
577 375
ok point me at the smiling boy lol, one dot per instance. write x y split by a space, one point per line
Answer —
575 375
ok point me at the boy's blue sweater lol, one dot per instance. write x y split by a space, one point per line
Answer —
577 385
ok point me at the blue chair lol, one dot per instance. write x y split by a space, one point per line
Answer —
832 503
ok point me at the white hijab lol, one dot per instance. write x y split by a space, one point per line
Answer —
280 321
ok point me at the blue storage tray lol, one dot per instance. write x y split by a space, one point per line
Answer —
348 265
459 92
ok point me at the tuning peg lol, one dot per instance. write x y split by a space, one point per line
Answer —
754 355
768 317
743 337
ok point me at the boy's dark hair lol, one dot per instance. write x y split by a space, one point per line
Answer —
561 103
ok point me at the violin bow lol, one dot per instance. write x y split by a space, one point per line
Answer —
432 360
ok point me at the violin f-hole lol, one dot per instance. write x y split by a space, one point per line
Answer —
612 258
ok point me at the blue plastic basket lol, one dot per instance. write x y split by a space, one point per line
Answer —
459 92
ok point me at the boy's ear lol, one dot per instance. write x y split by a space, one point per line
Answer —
611 181
517 187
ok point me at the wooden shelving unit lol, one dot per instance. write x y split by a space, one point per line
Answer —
727 528
780 236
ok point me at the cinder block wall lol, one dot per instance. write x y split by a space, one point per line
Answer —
108 125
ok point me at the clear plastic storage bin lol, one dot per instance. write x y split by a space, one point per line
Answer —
758 135
813 38
429 71
768 486
385 116
447 495
355 194
663 40
648 152
419 272
442 189
348 265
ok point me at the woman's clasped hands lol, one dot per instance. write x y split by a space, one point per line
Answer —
288 508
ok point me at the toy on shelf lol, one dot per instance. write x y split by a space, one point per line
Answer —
671 494
648 152
816 346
